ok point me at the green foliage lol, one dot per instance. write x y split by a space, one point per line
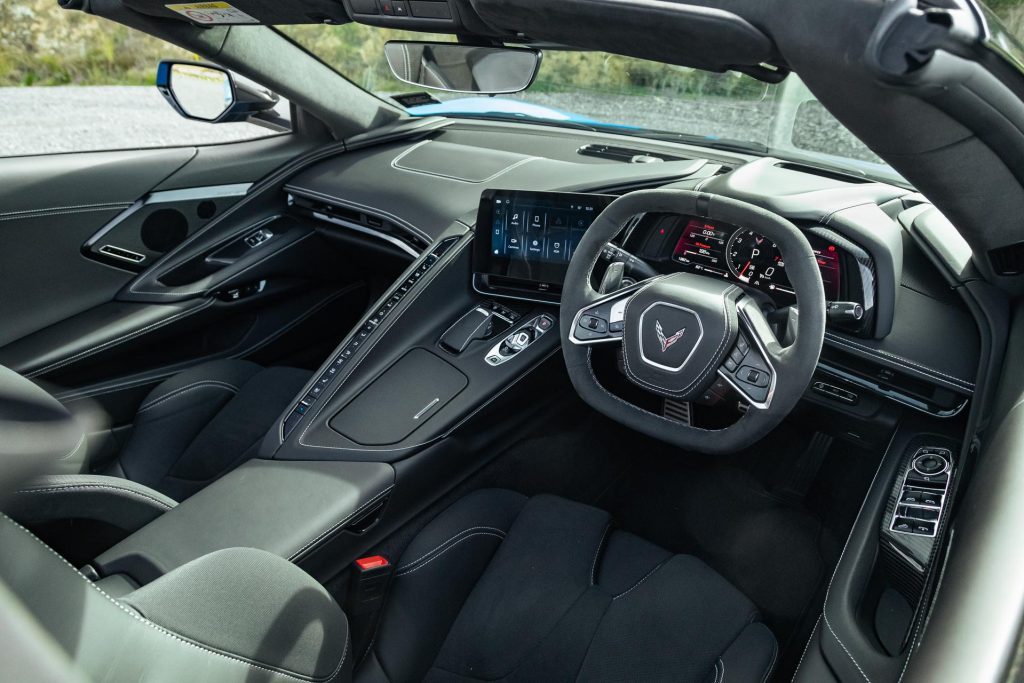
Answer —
42 44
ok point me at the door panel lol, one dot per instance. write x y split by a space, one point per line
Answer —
59 279
49 206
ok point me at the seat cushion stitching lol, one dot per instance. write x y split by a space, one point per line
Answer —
645 577
597 553
444 543
185 389
771 664
178 637
118 489
406 572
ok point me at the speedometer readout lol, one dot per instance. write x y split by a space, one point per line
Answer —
702 247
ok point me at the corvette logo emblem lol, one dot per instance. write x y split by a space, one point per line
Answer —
667 341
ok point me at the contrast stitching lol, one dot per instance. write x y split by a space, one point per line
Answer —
771 664
926 615
174 393
898 360
597 553
806 648
842 645
641 411
342 523
707 370
719 676
118 340
178 637
499 536
637 584
828 591
444 543
74 450
117 489
60 210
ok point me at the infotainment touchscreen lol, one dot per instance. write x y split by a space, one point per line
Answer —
524 240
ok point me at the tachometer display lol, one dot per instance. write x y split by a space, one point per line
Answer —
757 261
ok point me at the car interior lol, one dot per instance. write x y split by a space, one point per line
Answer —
394 397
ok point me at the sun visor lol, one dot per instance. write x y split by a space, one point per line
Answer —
670 32
242 12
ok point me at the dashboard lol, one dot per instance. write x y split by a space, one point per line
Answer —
531 237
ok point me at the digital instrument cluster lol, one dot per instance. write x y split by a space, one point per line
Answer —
742 255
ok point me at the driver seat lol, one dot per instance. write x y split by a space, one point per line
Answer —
505 587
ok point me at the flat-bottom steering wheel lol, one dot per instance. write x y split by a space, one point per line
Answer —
681 332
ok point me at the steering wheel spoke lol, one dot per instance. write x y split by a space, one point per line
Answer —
751 367
602 321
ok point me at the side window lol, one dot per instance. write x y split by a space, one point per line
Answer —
70 82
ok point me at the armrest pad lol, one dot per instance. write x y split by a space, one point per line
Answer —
287 508
120 502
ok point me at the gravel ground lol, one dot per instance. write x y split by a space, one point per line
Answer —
45 120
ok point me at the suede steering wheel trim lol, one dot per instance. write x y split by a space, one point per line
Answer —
793 365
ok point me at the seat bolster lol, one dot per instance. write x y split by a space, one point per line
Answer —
123 503
274 625
254 605
436 573
751 657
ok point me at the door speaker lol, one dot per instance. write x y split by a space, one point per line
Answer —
164 229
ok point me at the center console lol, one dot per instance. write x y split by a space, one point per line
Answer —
442 344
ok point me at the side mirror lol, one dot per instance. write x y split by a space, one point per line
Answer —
463 68
204 92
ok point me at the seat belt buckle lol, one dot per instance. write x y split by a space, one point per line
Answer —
368 584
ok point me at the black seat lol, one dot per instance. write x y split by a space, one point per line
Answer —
190 430
502 587
203 422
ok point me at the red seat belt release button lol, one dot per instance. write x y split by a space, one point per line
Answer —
372 562
368 584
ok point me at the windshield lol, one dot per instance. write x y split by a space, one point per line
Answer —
628 95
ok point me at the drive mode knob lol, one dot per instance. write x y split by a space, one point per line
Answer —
929 463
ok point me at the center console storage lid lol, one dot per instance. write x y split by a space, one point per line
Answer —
404 397
287 508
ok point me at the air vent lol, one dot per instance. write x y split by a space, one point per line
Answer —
822 172
1008 260
360 221
627 155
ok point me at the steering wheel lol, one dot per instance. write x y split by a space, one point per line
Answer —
681 332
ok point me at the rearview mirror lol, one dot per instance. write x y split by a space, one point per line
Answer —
204 92
463 68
